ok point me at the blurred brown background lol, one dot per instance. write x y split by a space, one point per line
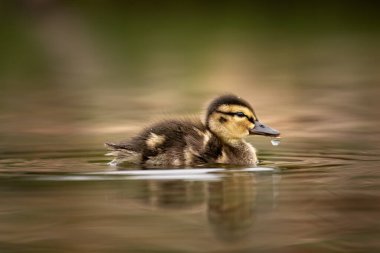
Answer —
101 69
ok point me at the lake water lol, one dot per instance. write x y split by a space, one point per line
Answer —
318 191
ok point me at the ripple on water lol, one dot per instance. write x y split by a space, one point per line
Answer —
196 174
301 159
74 161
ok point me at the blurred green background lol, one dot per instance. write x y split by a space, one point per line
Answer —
99 69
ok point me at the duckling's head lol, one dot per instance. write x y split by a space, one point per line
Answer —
232 118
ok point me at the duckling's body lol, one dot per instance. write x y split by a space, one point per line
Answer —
177 143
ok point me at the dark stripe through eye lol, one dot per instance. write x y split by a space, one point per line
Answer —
239 114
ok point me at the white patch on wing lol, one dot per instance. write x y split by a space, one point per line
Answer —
199 132
206 138
155 140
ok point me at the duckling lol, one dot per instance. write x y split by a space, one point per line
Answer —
177 143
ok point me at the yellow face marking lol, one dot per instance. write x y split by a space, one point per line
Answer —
237 108
206 138
235 127
155 140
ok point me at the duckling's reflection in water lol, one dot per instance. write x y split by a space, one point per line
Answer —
231 205
175 194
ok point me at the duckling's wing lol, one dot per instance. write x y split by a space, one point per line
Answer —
159 144
163 144
167 143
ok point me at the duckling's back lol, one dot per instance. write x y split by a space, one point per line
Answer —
171 143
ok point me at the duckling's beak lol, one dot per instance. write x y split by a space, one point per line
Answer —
261 129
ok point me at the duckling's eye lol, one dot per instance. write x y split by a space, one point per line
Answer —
240 114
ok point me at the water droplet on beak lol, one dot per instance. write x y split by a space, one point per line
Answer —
275 142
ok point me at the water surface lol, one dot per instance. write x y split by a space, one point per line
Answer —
319 200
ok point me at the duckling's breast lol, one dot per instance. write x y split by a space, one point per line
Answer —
242 153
